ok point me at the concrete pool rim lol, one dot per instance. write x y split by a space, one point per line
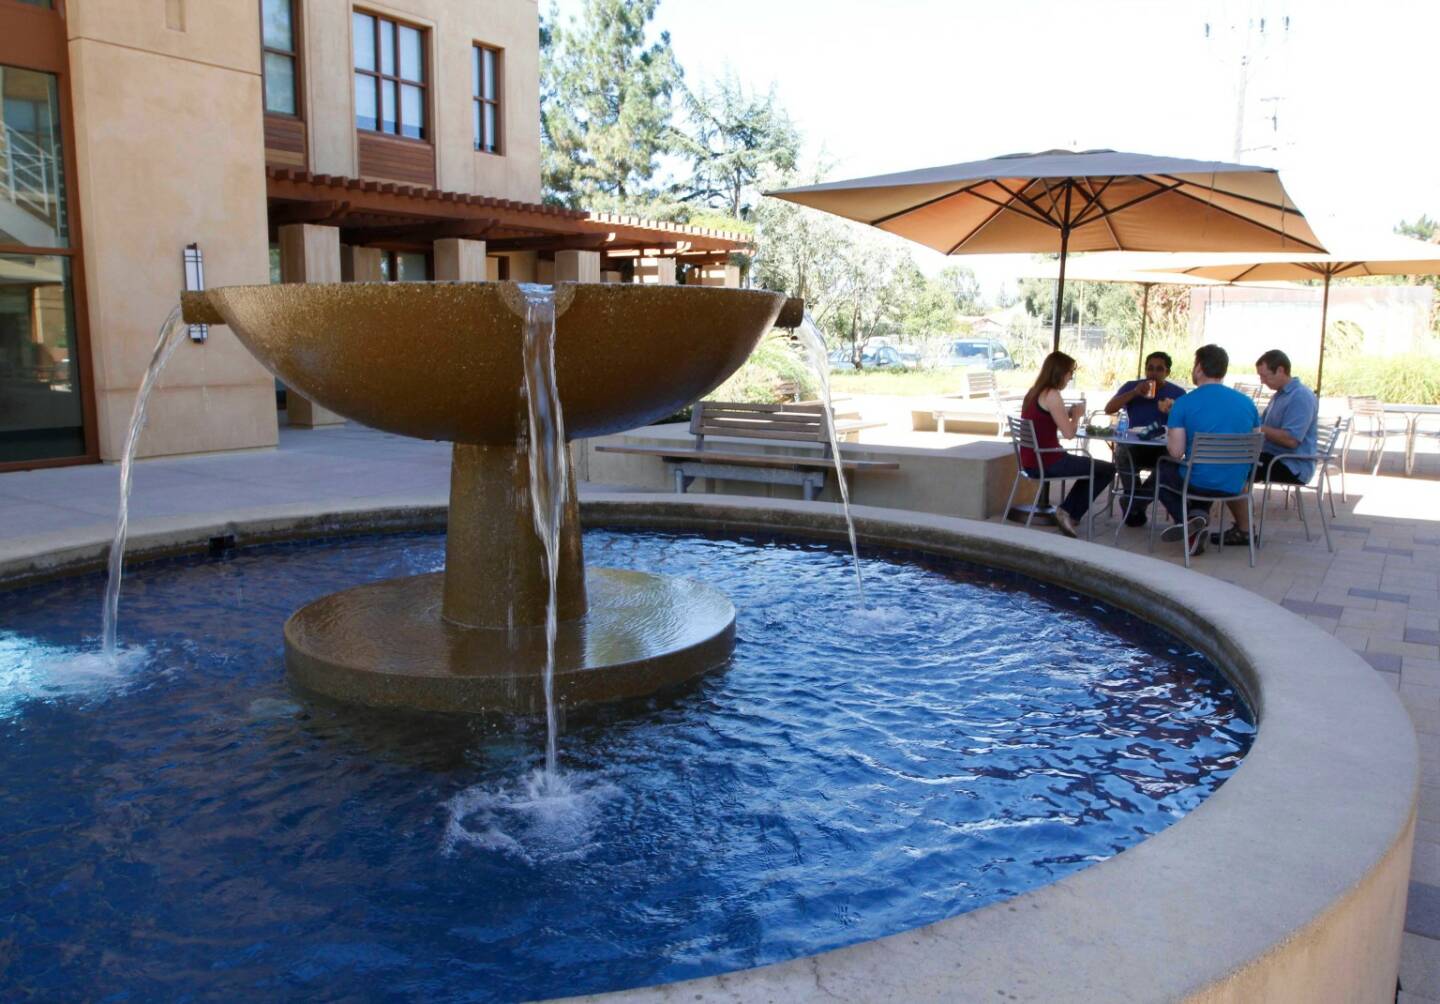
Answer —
1288 883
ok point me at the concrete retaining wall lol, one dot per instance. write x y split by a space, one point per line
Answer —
969 479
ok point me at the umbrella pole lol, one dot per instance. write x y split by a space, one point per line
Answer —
1324 310
1060 289
1144 317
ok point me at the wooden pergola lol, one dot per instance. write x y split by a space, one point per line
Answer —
404 217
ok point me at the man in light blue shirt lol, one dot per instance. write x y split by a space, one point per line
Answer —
1291 422
1210 407
1291 425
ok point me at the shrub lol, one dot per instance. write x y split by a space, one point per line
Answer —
1412 378
774 368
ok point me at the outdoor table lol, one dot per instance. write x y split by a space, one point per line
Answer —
1412 413
1129 475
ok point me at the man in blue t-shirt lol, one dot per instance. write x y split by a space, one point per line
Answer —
1210 407
1146 402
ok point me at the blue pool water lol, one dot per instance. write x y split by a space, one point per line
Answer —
185 827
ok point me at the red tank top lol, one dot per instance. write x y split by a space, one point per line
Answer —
1046 434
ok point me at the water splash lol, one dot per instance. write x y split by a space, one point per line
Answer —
171 334
31 671
543 441
814 347
543 818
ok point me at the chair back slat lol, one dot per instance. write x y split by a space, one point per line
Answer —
1226 448
1329 438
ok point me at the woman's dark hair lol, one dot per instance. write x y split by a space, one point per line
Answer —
1054 373
1213 361
1163 357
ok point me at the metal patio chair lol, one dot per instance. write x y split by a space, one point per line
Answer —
1022 437
1319 483
1214 448
1368 421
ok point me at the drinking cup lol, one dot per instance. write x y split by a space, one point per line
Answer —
1149 388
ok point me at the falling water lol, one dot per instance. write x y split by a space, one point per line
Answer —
548 475
814 346
171 334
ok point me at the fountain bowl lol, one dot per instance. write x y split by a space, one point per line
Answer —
442 360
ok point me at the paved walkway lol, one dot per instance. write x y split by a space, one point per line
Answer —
1379 593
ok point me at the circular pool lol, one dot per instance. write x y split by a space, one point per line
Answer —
1287 884
185 823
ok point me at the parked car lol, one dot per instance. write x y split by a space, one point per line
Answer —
840 359
985 353
888 356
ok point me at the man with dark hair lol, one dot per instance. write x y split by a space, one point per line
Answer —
1146 402
1291 425
1210 407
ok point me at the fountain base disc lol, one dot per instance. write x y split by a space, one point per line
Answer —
385 645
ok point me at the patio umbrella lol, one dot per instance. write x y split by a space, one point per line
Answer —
1062 201
1379 254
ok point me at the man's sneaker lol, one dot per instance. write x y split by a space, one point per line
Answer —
1196 542
1066 523
1177 531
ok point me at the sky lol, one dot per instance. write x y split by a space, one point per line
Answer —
1341 97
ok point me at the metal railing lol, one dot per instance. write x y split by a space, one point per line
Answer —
29 175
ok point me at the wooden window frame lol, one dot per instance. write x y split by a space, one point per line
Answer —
380 77
497 102
296 57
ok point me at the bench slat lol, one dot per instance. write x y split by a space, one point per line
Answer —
752 459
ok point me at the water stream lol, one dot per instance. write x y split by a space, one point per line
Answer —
543 441
172 333
814 345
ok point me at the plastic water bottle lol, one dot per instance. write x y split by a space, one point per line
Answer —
1122 424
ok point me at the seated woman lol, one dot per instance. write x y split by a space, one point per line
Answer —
1046 410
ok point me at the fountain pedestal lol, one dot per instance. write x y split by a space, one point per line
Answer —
444 361
472 638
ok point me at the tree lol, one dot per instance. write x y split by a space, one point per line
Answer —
798 251
734 138
964 289
605 104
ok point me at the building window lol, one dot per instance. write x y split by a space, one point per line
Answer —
485 88
404 266
279 54
389 77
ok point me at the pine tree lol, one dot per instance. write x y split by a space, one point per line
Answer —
605 108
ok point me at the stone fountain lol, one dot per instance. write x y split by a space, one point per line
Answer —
443 361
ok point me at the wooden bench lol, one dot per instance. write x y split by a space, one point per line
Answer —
787 423
981 383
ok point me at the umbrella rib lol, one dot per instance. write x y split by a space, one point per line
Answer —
1050 194
1253 222
1092 199
1041 216
962 190
1038 210
1237 195
1161 190
1095 201
1000 207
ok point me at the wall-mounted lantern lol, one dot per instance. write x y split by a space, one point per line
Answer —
194 283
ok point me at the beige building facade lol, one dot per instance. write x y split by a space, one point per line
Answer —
275 140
